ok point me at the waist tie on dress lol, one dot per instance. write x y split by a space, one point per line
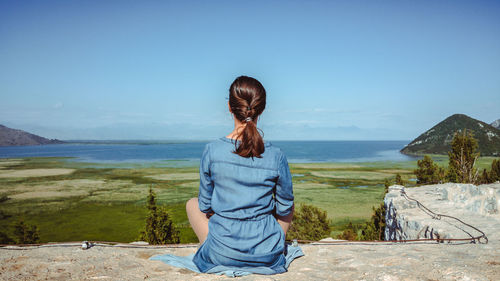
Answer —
253 218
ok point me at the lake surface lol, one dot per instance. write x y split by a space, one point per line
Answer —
154 151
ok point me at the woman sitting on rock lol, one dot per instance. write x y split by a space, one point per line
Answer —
245 201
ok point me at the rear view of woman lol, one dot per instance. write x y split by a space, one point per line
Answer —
245 201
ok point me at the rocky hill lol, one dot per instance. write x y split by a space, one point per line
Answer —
496 124
437 140
11 137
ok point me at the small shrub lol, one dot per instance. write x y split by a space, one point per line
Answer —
159 227
350 233
5 239
493 175
428 172
25 233
375 228
495 171
387 183
309 223
399 180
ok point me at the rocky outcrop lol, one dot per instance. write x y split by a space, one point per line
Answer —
475 205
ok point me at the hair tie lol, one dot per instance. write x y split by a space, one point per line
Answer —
248 119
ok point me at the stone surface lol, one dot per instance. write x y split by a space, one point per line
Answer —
337 260
475 205
360 261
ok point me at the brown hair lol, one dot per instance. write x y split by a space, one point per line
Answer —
247 99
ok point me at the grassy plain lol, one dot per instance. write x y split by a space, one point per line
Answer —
74 201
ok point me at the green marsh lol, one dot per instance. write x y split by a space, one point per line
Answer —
73 201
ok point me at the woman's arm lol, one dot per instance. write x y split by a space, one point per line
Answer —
206 184
284 195
285 221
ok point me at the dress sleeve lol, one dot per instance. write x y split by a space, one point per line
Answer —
206 183
284 188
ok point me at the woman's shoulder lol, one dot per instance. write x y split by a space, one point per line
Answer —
224 143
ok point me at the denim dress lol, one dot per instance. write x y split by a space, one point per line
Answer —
244 194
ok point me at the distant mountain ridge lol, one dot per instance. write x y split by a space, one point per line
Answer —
14 137
437 140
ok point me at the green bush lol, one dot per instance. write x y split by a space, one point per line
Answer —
5 239
309 223
25 233
350 233
428 172
493 175
399 180
159 227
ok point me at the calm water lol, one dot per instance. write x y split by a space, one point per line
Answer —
296 151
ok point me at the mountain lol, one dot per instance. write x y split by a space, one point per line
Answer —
496 124
11 137
437 140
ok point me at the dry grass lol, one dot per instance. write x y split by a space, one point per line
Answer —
48 194
191 184
324 165
34 173
56 189
365 175
10 162
310 185
395 171
175 176
130 193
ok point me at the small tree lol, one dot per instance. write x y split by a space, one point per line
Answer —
428 172
387 183
484 178
493 175
374 230
399 180
462 158
159 227
25 233
5 239
309 223
350 233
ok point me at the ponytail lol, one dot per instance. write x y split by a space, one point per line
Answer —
247 99
252 144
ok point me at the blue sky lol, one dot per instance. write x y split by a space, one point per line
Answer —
334 70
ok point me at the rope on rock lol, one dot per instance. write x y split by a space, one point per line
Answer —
482 239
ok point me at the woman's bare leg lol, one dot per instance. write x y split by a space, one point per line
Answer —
286 220
197 219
